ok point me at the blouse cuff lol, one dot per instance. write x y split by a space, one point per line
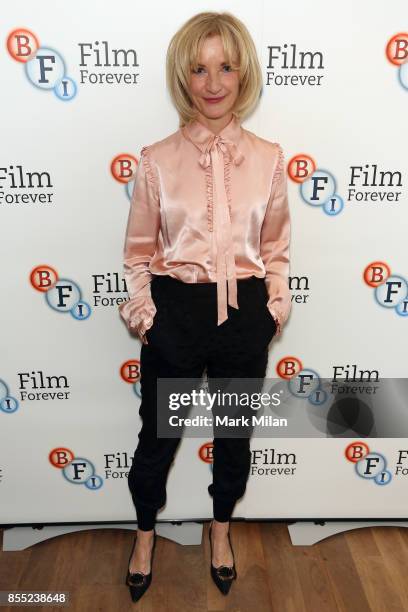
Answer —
278 318
138 313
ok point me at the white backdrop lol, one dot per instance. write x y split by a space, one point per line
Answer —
355 116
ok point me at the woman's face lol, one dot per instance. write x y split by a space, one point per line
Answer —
214 86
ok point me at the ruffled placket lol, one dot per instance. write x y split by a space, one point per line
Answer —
218 152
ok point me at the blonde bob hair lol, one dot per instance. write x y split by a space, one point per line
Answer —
182 57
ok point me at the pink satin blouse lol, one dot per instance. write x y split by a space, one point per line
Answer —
208 208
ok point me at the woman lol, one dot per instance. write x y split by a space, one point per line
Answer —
206 263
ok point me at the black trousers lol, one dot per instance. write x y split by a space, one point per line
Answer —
183 341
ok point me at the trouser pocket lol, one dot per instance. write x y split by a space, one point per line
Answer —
161 311
269 321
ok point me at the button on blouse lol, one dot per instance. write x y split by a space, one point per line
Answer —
208 208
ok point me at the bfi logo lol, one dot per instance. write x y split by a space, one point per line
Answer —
368 464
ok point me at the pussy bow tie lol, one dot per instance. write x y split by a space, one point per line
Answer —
215 149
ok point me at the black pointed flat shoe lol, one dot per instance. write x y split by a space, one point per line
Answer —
223 575
138 582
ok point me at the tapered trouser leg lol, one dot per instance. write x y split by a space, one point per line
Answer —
153 456
232 455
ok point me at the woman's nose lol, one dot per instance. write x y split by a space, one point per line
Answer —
213 83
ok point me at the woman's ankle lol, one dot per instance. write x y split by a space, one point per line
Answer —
145 535
220 526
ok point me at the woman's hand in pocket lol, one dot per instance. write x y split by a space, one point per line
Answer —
143 338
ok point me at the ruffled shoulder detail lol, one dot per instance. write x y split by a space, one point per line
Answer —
150 171
280 165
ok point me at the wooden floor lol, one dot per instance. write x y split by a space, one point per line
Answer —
359 571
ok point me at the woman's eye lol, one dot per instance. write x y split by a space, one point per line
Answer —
201 70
